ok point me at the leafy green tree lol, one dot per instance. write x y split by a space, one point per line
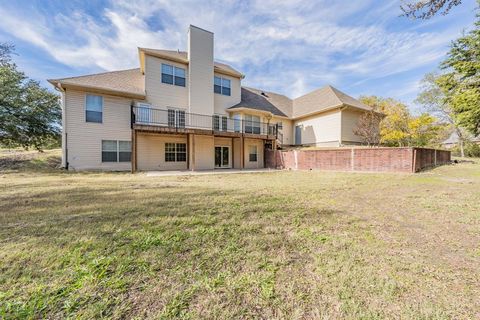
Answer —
29 114
461 82
433 98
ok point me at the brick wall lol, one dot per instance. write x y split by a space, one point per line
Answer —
358 159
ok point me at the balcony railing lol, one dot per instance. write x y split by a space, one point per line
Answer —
179 119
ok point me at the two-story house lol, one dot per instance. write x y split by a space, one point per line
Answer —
183 110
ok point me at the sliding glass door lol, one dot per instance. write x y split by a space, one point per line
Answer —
222 157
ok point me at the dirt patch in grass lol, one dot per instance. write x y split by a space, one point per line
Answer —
14 159
281 245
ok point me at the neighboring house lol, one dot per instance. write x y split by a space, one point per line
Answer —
183 110
453 140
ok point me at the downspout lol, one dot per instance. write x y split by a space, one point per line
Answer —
63 91
340 142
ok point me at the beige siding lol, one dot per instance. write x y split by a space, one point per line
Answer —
260 152
286 131
204 152
200 82
160 94
151 152
84 139
319 130
223 102
349 123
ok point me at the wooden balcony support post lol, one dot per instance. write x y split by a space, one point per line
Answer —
134 151
191 151
242 152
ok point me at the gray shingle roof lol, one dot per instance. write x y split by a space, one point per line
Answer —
274 103
123 82
316 101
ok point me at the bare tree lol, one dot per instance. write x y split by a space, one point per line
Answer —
368 127
425 9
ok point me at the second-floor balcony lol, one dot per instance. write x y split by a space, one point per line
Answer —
181 121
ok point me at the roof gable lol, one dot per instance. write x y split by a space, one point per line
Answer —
182 57
129 82
324 99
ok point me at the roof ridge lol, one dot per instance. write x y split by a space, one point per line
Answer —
279 94
335 92
94 74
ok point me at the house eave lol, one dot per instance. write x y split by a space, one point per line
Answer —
95 89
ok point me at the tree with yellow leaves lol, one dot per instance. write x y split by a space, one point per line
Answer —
399 128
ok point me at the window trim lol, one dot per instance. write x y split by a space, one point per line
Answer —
175 152
250 154
252 123
174 76
85 107
221 86
222 121
117 151
176 118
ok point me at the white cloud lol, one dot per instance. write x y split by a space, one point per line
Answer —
286 45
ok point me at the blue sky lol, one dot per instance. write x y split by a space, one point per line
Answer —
285 46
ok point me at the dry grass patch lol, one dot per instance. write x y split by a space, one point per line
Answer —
285 245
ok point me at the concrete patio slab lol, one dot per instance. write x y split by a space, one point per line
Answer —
204 172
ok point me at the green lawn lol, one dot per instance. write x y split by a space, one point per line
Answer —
281 245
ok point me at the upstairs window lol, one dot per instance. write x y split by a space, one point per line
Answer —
93 108
252 124
173 75
176 118
220 123
221 86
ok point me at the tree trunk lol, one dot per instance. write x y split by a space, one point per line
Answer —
460 142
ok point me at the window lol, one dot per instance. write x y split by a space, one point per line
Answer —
216 122
181 152
220 125
252 153
176 118
225 87
175 152
116 151
169 152
124 151
221 86
237 122
173 75
217 85
179 77
252 124
280 125
109 151
93 108
224 123
167 73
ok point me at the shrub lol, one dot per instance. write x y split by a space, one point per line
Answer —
471 150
